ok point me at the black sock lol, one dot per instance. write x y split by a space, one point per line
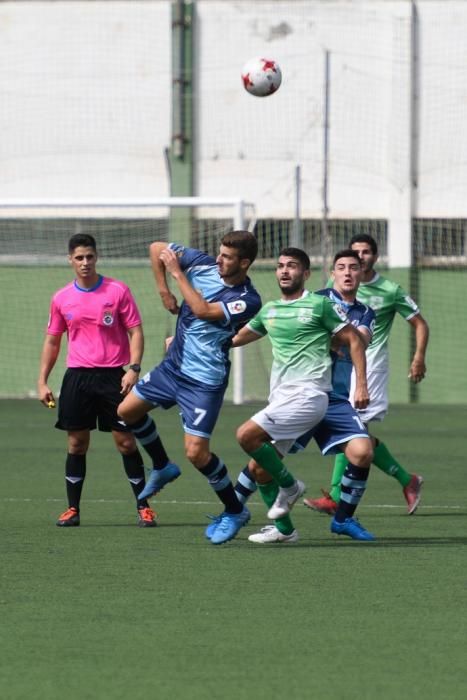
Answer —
145 432
353 487
134 469
75 473
216 473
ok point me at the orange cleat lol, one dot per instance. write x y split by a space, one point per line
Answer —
70 518
325 504
147 517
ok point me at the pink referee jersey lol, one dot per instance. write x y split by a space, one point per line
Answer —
96 322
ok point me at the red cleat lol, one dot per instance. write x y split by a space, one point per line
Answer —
325 504
70 518
412 493
147 517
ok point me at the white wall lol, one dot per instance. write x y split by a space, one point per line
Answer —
85 103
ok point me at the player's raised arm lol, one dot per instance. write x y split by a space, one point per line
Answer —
168 299
207 311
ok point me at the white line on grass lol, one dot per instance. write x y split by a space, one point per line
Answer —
216 503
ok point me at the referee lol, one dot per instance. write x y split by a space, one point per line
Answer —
104 332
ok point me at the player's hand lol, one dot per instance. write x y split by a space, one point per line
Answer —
417 371
361 397
168 342
170 260
170 302
129 379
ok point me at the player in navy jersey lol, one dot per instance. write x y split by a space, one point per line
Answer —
218 300
341 429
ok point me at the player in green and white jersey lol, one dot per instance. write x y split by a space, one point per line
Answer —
300 326
387 299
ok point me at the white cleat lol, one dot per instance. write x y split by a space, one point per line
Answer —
286 498
270 534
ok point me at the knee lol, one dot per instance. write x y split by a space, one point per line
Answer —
126 444
360 453
247 438
77 445
197 455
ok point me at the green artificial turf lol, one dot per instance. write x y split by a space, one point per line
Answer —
109 610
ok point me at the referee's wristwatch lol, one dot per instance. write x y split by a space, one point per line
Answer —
135 368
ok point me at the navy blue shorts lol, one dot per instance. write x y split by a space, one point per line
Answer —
340 424
199 404
90 397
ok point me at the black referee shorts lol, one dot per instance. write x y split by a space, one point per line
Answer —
89 398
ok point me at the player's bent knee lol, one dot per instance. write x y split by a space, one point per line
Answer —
359 452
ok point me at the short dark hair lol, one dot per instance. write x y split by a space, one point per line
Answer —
298 254
81 239
243 242
364 238
346 253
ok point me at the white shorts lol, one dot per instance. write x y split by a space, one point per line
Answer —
290 414
378 392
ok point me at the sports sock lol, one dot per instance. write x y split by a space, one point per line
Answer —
246 485
340 464
75 473
145 432
216 473
384 460
352 489
134 469
267 457
269 493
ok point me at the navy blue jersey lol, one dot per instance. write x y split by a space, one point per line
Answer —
359 315
200 348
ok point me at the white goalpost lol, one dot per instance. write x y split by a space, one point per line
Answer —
33 249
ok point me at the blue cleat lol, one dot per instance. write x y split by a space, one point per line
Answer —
228 526
352 528
215 520
158 478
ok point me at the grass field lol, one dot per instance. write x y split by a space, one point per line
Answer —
109 610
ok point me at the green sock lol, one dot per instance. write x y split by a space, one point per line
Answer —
267 457
340 464
269 493
384 460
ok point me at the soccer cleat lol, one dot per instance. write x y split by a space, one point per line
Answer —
285 500
147 517
70 518
215 520
158 478
325 504
352 528
412 493
229 525
270 534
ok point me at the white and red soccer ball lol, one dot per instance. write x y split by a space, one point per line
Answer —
261 76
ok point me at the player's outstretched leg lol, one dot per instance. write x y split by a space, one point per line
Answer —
158 478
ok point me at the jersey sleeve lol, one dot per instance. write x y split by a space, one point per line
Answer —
188 257
256 324
405 305
333 316
239 308
129 312
56 324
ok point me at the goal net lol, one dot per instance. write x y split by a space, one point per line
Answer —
33 265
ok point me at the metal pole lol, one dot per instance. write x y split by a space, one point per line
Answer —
414 276
297 238
325 241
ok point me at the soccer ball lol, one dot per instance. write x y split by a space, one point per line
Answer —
261 76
